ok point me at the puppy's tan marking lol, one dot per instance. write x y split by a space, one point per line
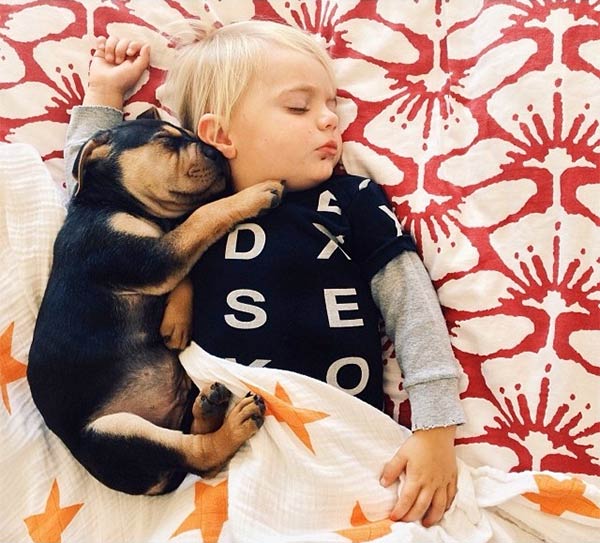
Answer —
168 182
171 130
135 163
131 425
123 222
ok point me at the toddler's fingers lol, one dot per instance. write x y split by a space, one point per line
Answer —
406 501
393 469
451 494
100 45
121 50
419 507
437 508
133 48
143 58
109 48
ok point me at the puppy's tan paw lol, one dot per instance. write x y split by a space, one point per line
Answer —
176 335
245 418
276 190
260 198
209 408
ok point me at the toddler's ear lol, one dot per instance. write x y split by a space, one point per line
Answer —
211 132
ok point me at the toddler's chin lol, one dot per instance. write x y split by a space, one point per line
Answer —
310 179
304 184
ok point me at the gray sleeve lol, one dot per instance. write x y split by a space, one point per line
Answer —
413 318
85 121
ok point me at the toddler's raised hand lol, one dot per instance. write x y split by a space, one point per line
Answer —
116 66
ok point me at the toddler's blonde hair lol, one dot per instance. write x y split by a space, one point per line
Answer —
214 66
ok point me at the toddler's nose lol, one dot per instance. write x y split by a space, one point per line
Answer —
328 119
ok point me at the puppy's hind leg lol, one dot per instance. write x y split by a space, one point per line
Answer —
128 453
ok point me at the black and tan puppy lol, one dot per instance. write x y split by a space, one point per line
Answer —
99 371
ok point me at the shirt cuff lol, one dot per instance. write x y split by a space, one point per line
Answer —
100 117
435 404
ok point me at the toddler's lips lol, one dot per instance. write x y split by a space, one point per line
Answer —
330 148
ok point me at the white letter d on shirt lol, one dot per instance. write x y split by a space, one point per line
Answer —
259 240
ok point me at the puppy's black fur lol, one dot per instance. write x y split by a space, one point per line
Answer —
99 371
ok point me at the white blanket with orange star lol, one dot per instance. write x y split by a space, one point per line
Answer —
309 475
312 474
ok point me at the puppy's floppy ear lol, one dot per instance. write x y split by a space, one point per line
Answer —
151 113
96 146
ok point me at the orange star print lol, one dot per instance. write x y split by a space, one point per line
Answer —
209 514
364 529
10 368
280 406
555 497
47 527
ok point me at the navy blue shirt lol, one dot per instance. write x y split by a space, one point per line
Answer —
291 289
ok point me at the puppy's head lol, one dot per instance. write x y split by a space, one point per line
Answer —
166 169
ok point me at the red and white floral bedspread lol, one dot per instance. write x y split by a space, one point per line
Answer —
479 118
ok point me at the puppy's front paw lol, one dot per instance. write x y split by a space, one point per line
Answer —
260 198
176 335
176 325
276 190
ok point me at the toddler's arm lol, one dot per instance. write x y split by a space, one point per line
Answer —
405 296
408 303
115 68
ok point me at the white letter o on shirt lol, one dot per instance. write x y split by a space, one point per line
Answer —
334 369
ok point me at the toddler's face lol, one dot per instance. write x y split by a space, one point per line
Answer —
285 124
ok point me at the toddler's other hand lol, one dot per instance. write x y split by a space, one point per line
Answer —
115 68
429 462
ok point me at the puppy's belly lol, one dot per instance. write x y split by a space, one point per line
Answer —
158 392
